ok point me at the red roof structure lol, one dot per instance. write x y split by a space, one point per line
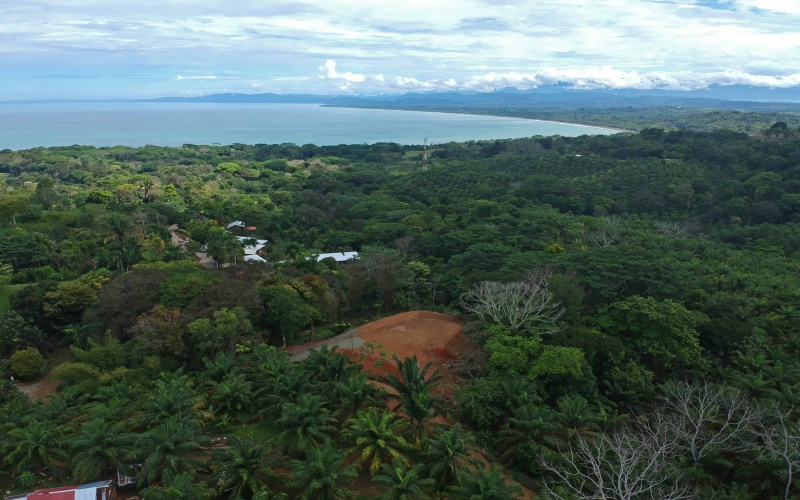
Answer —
103 490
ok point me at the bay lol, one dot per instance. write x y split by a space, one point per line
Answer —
24 126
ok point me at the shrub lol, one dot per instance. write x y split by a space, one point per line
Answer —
27 363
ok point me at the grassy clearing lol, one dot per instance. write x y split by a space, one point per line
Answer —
265 430
5 292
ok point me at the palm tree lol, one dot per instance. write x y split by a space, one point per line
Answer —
242 468
146 183
223 364
233 393
117 225
178 487
102 445
488 485
305 424
404 483
39 444
167 448
531 428
415 392
328 366
577 417
377 438
286 387
174 397
449 456
323 475
126 252
356 393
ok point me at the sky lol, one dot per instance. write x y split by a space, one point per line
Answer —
151 48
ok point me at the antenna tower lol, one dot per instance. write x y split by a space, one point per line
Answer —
425 156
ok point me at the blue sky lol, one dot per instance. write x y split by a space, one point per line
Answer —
151 48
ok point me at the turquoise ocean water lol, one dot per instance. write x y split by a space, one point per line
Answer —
25 126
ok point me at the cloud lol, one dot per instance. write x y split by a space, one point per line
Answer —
585 78
206 77
328 70
413 44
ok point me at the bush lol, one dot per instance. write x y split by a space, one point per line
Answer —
27 363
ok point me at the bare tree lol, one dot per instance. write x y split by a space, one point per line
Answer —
781 441
608 233
633 462
525 304
709 417
670 228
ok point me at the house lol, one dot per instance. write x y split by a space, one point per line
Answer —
236 223
103 490
254 258
249 248
338 256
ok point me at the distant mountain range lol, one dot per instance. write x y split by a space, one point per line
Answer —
728 97
724 97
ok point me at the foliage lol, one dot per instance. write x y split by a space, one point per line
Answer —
665 341
27 363
17 333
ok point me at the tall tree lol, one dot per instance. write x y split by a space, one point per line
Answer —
404 482
305 424
377 438
449 456
323 475
243 468
102 446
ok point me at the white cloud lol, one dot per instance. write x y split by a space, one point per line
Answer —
585 78
199 77
413 44
328 70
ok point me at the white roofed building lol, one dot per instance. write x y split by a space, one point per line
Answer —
338 256
249 247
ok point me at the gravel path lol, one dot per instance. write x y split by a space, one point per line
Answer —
346 340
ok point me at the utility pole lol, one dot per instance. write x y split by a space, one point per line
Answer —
425 156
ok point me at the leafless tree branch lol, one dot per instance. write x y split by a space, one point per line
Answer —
525 304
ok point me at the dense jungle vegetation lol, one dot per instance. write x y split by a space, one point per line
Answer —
634 301
629 117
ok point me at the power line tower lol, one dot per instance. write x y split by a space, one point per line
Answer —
425 156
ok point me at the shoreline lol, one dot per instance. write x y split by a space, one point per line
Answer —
576 124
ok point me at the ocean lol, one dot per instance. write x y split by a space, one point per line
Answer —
24 126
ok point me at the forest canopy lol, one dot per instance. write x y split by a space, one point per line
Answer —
632 301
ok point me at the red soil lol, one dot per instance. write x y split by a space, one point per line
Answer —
431 337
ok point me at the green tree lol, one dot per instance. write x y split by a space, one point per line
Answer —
663 333
527 434
126 252
285 309
27 363
323 475
488 485
243 468
228 328
16 333
305 424
168 448
404 482
224 247
39 444
415 392
377 438
178 486
101 446
448 456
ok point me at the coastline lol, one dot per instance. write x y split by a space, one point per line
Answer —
456 112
